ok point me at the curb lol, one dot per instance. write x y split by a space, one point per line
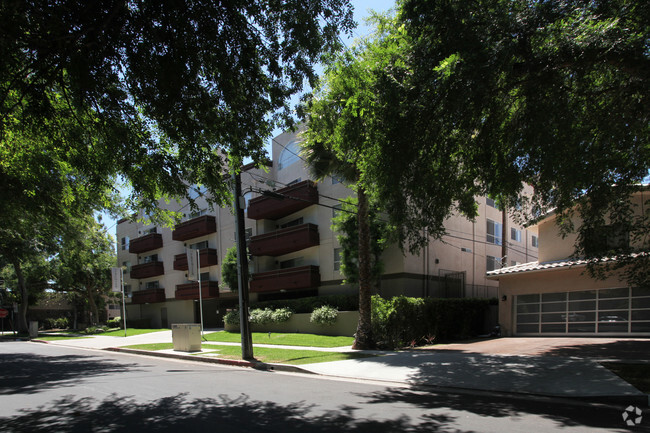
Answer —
257 365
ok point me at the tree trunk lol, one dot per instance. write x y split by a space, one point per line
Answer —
93 306
363 337
24 298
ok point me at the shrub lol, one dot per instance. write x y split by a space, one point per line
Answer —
231 317
62 323
114 323
282 315
325 315
261 317
403 321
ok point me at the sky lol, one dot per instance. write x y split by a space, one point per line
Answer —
361 9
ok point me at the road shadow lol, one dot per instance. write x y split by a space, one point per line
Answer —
27 373
180 413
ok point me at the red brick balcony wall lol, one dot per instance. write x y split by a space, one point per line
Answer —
148 296
209 289
207 256
147 270
301 277
145 243
199 226
304 195
285 241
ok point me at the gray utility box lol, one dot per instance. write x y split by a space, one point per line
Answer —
33 329
186 337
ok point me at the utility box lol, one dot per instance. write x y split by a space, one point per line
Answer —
33 329
186 337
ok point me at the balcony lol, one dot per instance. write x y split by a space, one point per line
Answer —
207 256
199 226
302 277
147 270
209 289
285 241
148 296
297 197
146 243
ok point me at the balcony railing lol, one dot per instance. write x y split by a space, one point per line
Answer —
285 201
146 243
199 226
148 296
302 277
147 270
209 289
207 256
285 241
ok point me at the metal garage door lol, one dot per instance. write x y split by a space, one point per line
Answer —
617 311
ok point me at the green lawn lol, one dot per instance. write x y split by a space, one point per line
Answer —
287 339
263 354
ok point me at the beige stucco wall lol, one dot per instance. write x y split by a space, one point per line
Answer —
546 281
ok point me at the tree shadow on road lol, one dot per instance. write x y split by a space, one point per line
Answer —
26 373
179 413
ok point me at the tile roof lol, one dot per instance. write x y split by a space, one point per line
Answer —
536 266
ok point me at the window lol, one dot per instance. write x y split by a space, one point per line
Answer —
295 181
292 263
127 289
113 307
515 234
196 191
150 259
292 223
535 242
289 154
492 263
198 213
205 276
127 267
149 231
336 179
152 285
125 243
199 245
337 259
247 234
494 230
490 202
606 239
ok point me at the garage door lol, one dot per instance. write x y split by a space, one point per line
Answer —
616 311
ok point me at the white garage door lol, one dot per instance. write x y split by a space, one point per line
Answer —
617 311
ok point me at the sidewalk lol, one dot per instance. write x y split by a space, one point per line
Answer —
445 366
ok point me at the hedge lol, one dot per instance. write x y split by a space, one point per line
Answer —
307 305
402 321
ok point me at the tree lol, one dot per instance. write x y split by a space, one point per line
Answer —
550 94
157 92
229 268
83 264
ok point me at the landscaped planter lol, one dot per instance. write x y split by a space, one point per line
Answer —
346 325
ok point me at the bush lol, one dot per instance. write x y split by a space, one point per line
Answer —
325 315
282 315
261 317
403 321
58 323
231 317
114 323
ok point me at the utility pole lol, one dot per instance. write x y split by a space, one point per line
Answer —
242 269
504 236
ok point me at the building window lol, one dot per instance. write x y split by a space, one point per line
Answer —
292 263
337 259
535 242
196 191
289 154
205 276
295 181
490 202
127 289
336 179
515 234
494 230
606 239
152 285
125 243
150 259
127 267
292 223
199 245
149 231
492 263
198 213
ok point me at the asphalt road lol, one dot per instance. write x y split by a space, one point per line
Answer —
60 389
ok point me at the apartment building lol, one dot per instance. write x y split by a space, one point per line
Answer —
295 253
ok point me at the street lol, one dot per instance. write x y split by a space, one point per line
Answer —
60 389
